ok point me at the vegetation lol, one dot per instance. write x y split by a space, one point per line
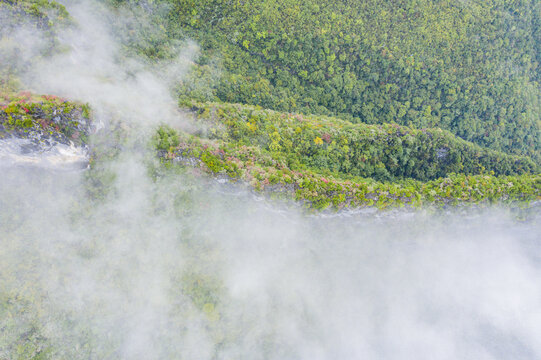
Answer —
441 99
426 97
406 103
468 67
44 117
384 152
300 158
25 18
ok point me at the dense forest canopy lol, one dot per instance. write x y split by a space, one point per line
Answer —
470 67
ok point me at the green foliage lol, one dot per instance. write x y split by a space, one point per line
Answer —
85 111
25 114
320 191
44 14
251 145
385 152
166 138
469 67
36 22
22 336
142 30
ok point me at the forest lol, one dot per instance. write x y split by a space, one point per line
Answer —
381 91
270 179
468 67
471 68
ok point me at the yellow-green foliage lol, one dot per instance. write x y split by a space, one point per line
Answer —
41 21
25 111
470 67
329 145
264 172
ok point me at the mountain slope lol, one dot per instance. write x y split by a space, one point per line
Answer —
468 67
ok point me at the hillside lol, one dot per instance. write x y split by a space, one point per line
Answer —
330 162
343 104
471 68
28 30
468 67
270 179
385 152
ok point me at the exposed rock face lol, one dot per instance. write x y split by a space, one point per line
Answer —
43 131
25 152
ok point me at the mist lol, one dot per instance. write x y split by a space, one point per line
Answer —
168 264
180 268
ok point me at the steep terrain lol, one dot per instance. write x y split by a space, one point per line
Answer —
426 97
330 162
191 226
43 130
470 67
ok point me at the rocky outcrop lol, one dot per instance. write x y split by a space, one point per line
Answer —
43 130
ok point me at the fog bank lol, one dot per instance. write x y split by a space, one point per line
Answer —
130 264
181 269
